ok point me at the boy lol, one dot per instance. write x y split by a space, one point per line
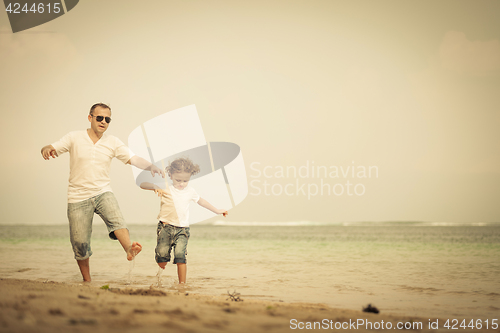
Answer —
173 227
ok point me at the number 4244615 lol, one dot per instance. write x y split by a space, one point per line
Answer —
454 324
16 8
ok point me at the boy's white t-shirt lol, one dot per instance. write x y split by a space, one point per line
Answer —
181 199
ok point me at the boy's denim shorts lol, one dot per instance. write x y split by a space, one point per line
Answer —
168 237
80 216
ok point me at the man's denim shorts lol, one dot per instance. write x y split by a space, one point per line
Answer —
168 237
80 216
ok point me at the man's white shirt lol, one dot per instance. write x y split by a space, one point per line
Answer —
90 163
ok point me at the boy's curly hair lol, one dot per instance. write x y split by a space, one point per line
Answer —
182 165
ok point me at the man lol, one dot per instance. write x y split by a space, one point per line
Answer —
89 191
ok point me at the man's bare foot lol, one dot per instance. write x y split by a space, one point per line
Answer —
162 264
133 250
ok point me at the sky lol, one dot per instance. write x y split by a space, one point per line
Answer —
407 89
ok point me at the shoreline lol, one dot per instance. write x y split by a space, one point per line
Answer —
405 272
62 307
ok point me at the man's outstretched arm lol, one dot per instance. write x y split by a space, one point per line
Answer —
141 163
49 151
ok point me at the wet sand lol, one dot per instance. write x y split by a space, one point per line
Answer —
29 306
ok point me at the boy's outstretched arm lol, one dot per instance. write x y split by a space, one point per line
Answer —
205 204
148 186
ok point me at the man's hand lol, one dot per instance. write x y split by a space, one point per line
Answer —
154 169
48 151
141 163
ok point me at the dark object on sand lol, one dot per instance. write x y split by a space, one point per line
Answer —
371 308
235 297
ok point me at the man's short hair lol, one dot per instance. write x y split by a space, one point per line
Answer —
102 105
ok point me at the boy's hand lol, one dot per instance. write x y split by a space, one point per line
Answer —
159 191
222 211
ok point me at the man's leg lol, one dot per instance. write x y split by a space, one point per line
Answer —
132 249
80 215
108 209
84 269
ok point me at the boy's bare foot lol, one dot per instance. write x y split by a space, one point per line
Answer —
133 250
162 264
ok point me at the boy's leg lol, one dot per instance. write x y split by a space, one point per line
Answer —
182 272
107 208
80 216
163 244
180 251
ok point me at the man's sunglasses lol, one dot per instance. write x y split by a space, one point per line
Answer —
100 118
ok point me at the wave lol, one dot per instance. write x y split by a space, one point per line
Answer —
296 223
262 224
360 223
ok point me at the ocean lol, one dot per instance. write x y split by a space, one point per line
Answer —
429 270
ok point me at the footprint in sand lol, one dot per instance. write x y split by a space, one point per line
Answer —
24 270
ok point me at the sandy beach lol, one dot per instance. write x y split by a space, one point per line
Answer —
411 274
29 306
